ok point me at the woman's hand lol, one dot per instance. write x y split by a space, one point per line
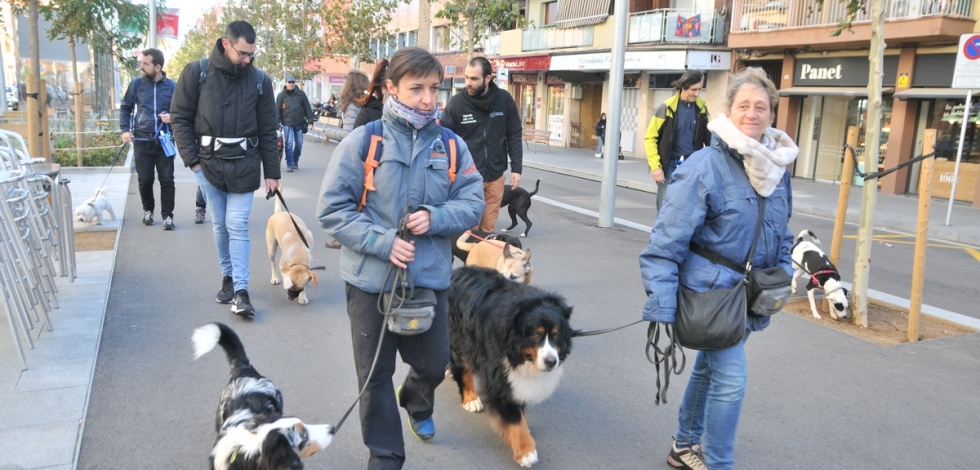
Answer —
402 253
418 222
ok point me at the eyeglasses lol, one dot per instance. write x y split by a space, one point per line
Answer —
291 82
250 55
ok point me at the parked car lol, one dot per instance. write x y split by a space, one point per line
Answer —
12 101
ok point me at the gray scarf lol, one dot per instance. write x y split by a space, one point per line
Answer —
766 161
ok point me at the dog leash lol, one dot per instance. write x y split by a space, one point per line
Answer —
490 241
607 330
666 356
112 165
284 206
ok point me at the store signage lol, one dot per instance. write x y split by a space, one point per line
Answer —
524 78
337 80
553 80
841 71
642 60
538 62
709 60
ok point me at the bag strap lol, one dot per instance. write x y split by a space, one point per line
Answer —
719 259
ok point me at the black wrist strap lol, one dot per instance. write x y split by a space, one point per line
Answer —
719 259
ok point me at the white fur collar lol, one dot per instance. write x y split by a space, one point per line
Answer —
766 161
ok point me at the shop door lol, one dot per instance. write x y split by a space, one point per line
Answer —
628 117
591 108
831 135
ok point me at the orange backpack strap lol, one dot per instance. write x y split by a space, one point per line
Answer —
374 140
449 138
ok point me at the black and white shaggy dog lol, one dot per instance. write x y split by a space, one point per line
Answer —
510 340
252 432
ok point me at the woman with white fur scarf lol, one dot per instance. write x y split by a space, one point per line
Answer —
712 200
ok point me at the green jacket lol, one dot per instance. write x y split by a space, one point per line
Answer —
659 139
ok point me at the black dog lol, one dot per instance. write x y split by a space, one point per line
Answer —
252 432
512 339
518 201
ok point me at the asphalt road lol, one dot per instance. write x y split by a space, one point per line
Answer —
816 400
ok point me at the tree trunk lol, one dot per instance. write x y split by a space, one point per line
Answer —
34 76
872 140
79 123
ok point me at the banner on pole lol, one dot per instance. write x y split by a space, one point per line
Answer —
168 21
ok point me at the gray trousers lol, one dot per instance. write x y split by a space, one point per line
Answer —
428 356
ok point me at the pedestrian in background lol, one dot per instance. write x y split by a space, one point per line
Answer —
600 133
224 117
434 209
296 119
713 202
486 117
372 104
355 87
678 128
142 114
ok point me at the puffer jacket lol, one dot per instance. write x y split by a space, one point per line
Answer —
150 99
339 133
711 202
227 104
412 172
659 138
294 108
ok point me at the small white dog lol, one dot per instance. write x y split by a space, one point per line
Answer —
811 262
91 210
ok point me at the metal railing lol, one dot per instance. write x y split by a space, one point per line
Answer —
768 15
550 37
671 25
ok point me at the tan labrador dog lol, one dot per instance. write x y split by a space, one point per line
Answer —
514 263
295 262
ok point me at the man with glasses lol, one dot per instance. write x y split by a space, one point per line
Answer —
225 128
296 118
678 128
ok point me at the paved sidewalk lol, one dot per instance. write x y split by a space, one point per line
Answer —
43 410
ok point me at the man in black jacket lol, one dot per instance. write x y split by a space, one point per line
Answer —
149 96
224 119
487 119
296 118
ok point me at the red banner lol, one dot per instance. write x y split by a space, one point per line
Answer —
537 62
167 23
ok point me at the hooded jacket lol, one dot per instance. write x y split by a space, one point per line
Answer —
659 139
491 126
412 172
711 202
227 104
294 108
149 98
372 111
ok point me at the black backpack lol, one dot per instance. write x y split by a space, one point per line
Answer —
259 75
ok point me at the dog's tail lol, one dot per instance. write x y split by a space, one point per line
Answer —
807 232
464 242
213 334
537 184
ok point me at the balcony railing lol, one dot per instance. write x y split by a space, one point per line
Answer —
550 37
765 15
677 26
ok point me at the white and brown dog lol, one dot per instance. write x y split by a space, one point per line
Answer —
810 260
295 264
91 210
513 262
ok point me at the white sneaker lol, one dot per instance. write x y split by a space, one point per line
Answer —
598 155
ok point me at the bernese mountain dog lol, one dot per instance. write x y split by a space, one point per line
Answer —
252 432
509 339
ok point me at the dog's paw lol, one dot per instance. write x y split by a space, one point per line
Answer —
816 315
523 235
303 300
473 406
274 281
503 230
529 459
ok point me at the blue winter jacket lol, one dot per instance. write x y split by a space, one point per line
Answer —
149 99
711 202
413 171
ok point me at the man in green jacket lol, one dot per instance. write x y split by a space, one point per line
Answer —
679 127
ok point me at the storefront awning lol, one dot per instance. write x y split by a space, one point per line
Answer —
575 13
830 91
934 93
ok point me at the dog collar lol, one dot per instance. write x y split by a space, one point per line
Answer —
813 277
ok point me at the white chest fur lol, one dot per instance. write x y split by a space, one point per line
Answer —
530 385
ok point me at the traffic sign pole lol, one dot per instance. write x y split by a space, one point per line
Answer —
959 155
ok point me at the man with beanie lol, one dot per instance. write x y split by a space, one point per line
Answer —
487 119
296 118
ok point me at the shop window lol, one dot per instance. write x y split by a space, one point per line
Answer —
946 117
857 115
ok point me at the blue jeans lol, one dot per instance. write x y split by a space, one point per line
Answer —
662 187
598 147
229 216
712 404
292 141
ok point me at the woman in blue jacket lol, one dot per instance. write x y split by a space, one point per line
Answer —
712 200
412 183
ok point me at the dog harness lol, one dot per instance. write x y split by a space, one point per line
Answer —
372 144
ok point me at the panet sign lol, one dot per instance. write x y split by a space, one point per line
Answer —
841 71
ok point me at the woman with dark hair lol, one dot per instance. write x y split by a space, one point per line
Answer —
408 222
600 133
372 103
355 86
713 201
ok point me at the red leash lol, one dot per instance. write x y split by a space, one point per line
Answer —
492 242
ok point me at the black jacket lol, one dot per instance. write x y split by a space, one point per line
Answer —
600 128
372 111
294 108
149 98
491 127
227 104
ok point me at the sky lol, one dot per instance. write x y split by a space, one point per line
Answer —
190 11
